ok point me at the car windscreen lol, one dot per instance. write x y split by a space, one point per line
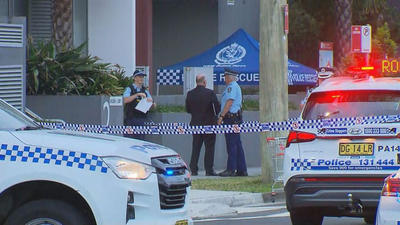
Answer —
12 119
357 103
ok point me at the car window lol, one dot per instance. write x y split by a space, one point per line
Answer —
359 103
12 119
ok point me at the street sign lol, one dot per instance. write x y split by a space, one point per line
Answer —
286 19
366 39
361 39
326 54
356 39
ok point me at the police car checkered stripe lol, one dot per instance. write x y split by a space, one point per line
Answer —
249 127
169 77
16 153
300 164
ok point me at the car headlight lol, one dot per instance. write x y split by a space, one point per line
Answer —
128 169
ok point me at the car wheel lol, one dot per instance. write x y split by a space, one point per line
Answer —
369 219
46 211
303 217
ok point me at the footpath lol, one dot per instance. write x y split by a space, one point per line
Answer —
208 204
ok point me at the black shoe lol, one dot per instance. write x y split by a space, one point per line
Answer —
194 173
228 173
211 173
242 174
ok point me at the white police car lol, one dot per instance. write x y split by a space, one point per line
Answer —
58 177
339 170
388 212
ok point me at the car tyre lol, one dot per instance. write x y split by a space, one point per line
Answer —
46 211
369 219
303 217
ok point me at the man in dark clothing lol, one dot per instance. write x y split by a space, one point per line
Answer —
203 104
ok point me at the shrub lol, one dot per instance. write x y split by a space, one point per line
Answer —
70 72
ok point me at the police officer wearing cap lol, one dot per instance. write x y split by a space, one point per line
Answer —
132 96
231 113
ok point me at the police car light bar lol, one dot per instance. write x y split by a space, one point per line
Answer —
362 68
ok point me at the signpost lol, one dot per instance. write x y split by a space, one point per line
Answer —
286 19
361 39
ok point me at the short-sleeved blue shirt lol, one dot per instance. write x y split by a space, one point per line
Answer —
127 91
232 91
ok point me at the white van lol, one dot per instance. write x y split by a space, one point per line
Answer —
339 170
69 178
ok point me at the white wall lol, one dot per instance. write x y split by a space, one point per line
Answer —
80 23
111 32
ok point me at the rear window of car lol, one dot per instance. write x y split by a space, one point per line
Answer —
359 103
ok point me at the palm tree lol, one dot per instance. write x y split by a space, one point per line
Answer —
343 14
62 23
343 20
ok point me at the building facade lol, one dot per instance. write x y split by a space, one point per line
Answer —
145 33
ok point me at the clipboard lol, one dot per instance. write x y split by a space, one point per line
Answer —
144 105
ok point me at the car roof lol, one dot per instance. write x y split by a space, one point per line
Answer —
351 84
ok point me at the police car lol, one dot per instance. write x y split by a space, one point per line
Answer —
56 177
388 212
337 170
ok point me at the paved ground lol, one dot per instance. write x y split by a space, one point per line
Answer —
206 204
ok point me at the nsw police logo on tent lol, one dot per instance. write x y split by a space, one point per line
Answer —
231 54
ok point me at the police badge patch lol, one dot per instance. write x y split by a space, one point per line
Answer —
229 89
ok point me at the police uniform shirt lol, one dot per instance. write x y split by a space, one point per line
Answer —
127 92
232 91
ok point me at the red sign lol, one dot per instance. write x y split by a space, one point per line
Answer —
356 39
286 19
326 46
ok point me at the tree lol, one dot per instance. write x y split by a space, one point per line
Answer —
343 12
312 21
387 47
62 23
304 34
344 19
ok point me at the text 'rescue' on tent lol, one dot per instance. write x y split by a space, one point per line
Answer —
239 52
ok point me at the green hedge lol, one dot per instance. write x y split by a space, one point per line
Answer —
70 72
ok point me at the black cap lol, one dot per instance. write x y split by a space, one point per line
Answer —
231 72
138 72
326 69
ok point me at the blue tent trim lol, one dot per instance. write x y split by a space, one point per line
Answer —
239 52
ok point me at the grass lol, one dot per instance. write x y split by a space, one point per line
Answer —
242 184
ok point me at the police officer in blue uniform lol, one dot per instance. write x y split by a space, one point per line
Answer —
132 96
231 113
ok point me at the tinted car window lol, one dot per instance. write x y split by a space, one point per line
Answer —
361 103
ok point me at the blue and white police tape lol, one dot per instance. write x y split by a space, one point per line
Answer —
185 124
249 127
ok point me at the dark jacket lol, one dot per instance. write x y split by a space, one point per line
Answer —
199 103
130 110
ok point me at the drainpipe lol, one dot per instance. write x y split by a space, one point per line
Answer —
10 10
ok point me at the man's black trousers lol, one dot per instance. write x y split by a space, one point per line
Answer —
209 140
